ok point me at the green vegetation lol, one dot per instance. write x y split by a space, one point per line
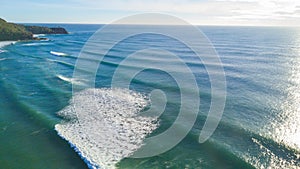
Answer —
38 29
11 31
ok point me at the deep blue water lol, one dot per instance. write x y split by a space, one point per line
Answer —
260 124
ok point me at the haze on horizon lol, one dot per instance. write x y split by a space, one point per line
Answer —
197 12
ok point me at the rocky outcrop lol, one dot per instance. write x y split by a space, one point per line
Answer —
59 30
45 30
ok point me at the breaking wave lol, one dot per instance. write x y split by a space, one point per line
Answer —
6 43
105 127
36 44
1 59
71 80
58 53
2 51
38 35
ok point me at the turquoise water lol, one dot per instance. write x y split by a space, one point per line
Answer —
260 124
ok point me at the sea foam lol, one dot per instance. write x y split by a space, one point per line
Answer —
105 127
38 35
5 43
58 53
72 80
36 44
1 59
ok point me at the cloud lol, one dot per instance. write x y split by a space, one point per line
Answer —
270 12
216 10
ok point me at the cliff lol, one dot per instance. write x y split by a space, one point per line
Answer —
11 31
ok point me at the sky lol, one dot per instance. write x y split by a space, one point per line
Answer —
197 12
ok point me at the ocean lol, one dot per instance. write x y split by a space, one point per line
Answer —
260 126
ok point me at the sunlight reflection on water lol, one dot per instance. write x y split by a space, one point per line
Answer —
288 130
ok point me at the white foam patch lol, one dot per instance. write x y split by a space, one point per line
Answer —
5 43
1 59
38 35
71 80
45 40
106 126
58 53
35 44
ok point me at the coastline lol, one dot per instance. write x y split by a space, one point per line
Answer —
14 32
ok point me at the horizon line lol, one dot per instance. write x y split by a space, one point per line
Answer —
217 25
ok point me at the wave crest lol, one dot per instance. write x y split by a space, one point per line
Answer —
1 59
58 53
2 51
36 44
6 43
